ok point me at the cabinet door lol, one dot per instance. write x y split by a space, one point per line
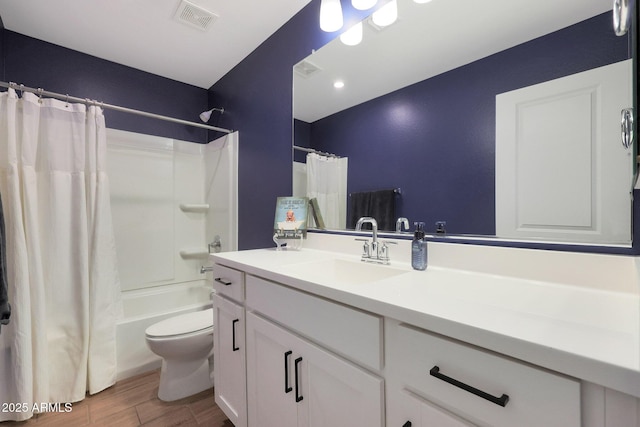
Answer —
270 388
305 384
229 360
335 392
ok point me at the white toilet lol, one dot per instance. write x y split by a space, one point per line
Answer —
185 343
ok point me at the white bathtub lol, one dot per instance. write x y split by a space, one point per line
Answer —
144 307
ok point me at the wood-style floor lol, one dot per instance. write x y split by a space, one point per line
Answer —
134 402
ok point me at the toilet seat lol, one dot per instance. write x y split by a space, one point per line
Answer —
184 324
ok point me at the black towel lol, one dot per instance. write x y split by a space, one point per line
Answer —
380 205
5 308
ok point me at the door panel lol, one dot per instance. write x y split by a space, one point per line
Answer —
561 170
229 360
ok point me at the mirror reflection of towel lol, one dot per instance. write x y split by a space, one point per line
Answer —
5 308
380 205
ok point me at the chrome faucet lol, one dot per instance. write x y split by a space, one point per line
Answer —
374 226
373 252
402 221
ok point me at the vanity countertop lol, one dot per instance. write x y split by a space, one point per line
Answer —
590 334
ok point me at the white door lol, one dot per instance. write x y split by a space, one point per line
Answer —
561 170
229 360
270 380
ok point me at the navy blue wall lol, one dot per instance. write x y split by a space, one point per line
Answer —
1 45
436 139
257 96
35 63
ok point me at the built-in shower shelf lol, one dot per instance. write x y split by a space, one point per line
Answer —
194 253
194 207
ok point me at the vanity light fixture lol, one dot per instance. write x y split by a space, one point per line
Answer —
353 35
386 15
363 4
338 84
330 15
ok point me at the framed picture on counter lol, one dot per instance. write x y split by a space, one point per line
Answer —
291 217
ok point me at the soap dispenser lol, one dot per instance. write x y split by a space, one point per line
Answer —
419 248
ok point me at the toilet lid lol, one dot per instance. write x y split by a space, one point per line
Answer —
182 324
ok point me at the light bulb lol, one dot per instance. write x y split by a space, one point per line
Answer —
363 4
330 15
386 15
353 35
338 84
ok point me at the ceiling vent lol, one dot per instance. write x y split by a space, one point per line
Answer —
195 16
306 69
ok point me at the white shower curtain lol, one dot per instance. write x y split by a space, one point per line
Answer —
327 182
62 272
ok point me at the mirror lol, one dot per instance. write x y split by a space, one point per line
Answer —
429 108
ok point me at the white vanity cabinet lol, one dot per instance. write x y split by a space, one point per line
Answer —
229 344
295 381
432 377
374 355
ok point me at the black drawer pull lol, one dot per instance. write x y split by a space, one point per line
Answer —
233 334
220 280
407 424
287 388
295 368
502 400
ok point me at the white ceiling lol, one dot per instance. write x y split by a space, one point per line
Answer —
144 34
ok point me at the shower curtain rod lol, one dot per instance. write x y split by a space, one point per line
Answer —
86 101
311 150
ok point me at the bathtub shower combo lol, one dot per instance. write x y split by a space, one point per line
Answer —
172 203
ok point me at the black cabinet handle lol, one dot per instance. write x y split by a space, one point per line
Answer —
502 400
287 388
295 368
233 334
407 424
220 280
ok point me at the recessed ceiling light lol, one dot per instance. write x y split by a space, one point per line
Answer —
338 84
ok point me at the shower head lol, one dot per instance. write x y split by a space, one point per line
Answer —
206 115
